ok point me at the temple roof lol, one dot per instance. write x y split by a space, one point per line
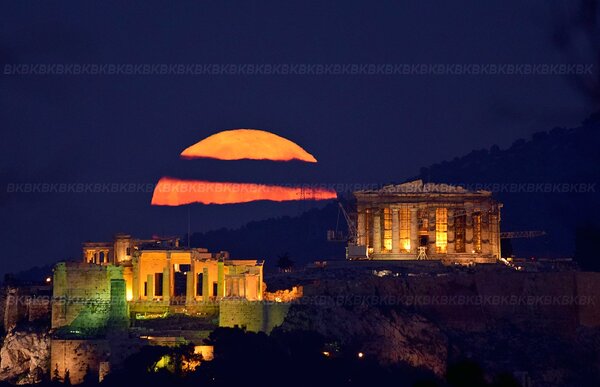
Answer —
417 187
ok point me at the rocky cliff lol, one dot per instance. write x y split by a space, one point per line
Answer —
544 328
391 336
25 357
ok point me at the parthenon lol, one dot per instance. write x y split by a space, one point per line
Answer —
428 221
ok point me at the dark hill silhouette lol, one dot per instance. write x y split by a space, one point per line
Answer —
302 237
548 182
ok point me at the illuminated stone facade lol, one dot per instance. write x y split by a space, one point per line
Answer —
160 271
129 277
428 221
87 297
100 305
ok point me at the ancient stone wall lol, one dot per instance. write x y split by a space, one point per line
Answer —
553 301
14 308
39 308
88 297
119 311
284 295
24 304
255 316
78 357
429 319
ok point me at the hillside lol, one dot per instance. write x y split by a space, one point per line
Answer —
549 182
303 237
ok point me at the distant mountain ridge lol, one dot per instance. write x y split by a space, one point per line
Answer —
548 182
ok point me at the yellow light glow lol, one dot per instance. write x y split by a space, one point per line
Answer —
361 355
207 352
129 294
387 229
441 230
326 353
476 233
250 144
404 214
48 279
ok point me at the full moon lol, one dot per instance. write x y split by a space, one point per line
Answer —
250 144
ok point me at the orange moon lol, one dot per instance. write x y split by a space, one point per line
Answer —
250 144
176 192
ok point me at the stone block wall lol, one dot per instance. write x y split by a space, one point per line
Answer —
78 357
84 298
255 316
24 303
119 311
556 302
285 295
14 308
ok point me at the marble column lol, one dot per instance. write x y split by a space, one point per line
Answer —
260 285
190 289
243 285
414 234
395 232
377 232
136 279
495 235
469 230
167 282
431 232
486 246
361 228
150 286
220 278
205 285
451 219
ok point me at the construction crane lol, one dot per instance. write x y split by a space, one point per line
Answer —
521 234
339 236
354 251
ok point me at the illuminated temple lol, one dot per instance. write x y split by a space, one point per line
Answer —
132 279
427 221
162 270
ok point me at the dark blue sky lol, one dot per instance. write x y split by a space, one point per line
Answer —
361 128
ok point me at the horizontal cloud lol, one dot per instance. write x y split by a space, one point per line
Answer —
176 192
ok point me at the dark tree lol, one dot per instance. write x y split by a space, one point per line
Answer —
67 380
586 242
56 374
285 263
506 248
89 378
505 380
465 373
